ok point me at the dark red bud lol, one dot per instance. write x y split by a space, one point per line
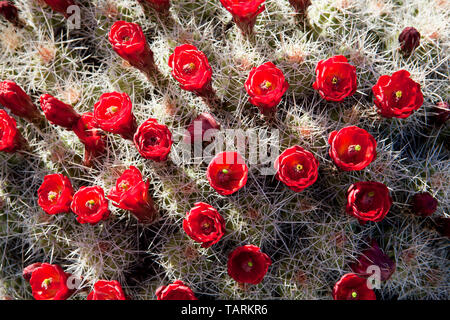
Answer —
409 40
374 256
424 204
441 113
10 12
26 273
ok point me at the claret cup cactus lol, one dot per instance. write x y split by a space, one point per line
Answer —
224 149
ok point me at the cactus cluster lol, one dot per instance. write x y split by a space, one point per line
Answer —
310 238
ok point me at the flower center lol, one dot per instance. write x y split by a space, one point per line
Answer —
189 67
52 195
46 283
266 85
250 264
334 80
354 294
124 185
205 225
90 204
371 194
126 38
356 147
299 167
225 171
398 94
113 109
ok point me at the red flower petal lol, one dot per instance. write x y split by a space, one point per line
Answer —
204 224
352 148
49 282
335 79
368 201
352 287
266 86
153 140
175 291
297 168
397 95
132 193
227 173
90 205
247 264
190 67
55 194
107 290
113 113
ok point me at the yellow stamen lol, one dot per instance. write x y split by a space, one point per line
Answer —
398 94
189 67
357 147
334 80
250 264
46 283
225 171
299 167
371 194
354 294
206 225
113 109
124 185
51 195
90 203
267 84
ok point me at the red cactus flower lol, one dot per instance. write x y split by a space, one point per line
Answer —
368 201
58 112
300 5
14 98
227 173
10 12
335 79
397 95
11 139
55 194
90 205
244 12
374 256
175 291
158 5
204 224
424 204
297 168
113 113
201 128
441 113
132 193
48 281
129 42
60 5
153 140
247 264
106 290
409 40
93 139
352 287
191 69
266 86
352 148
